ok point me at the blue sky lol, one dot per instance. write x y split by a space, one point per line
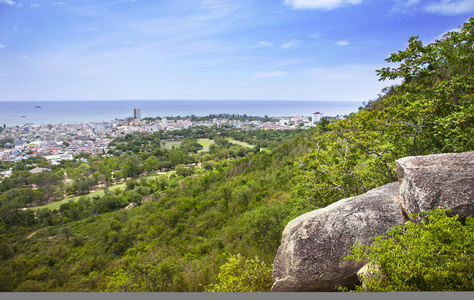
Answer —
210 49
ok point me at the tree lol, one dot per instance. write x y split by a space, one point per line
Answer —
241 274
176 157
151 163
130 167
190 145
120 281
207 165
431 111
183 170
434 103
349 159
265 224
434 254
67 231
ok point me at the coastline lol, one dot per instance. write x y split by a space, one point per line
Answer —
17 113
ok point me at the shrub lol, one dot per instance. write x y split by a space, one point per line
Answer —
240 274
434 254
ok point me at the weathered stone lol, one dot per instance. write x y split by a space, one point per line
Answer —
311 256
437 181
366 272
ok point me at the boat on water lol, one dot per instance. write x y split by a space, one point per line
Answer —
37 106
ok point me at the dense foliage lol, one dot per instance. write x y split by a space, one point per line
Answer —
175 240
431 111
239 274
435 254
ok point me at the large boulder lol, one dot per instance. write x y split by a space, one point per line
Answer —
311 256
437 181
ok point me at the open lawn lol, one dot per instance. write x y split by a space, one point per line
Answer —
239 142
205 144
170 144
97 192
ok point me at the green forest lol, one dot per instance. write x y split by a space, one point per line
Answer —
212 220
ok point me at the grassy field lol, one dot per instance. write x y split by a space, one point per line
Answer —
98 192
170 144
205 143
239 142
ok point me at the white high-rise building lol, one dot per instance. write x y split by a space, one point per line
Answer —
317 117
137 114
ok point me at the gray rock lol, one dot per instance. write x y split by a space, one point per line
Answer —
366 272
311 256
437 181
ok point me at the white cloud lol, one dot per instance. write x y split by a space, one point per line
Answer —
320 4
440 7
34 5
269 74
315 35
282 44
342 43
7 2
290 44
58 3
450 7
405 6
15 28
25 57
264 44
2 46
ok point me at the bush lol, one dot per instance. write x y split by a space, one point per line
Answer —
434 254
240 274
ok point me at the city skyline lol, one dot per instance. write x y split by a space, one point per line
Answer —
210 49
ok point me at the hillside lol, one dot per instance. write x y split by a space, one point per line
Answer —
183 229
194 230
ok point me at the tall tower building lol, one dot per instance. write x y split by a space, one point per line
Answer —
137 114
317 117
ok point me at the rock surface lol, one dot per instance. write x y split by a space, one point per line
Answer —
311 256
437 181
367 271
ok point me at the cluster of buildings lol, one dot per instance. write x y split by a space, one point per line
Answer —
55 142
61 142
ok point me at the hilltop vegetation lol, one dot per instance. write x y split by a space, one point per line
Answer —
431 111
185 227
212 227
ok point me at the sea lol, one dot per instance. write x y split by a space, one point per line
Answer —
17 113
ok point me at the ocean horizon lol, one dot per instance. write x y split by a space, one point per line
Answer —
17 113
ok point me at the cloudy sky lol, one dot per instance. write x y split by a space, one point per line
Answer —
210 49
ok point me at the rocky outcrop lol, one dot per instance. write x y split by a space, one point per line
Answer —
437 181
367 271
311 256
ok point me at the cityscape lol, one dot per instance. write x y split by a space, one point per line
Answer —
57 142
